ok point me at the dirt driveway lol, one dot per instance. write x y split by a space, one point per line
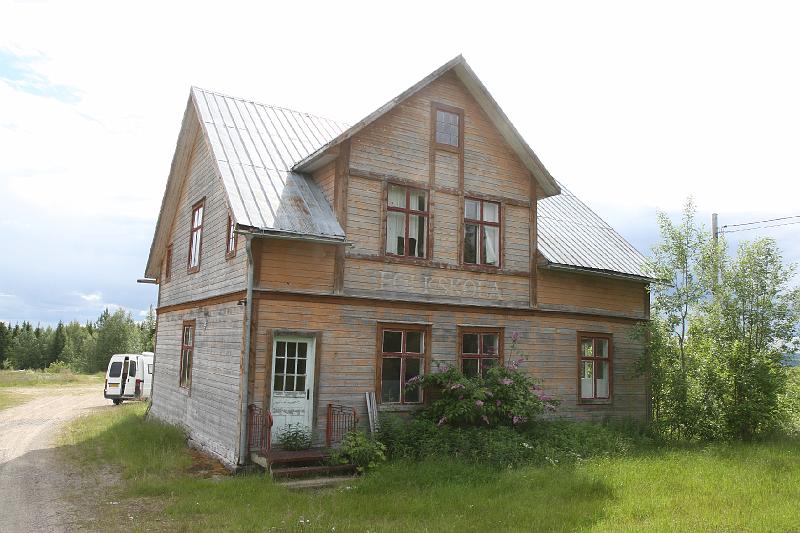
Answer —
32 479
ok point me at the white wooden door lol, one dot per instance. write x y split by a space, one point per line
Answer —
292 383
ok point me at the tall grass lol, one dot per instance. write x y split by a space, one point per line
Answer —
37 378
723 487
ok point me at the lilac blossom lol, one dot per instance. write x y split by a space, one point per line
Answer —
506 381
498 403
515 336
455 386
479 403
442 421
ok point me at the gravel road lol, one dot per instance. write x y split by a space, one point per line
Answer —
32 480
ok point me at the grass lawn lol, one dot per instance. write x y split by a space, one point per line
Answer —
738 487
38 378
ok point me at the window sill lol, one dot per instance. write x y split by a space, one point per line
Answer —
482 268
398 407
407 260
601 401
447 147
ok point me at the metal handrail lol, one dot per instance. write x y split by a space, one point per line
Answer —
341 420
259 429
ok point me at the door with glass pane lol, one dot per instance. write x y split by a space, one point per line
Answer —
292 383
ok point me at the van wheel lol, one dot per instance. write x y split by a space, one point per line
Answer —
117 401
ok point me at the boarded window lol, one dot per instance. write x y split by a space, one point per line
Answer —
187 354
196 236
401 358
481 232
481 349
594 370
407 222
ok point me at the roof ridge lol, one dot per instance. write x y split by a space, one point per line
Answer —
345 125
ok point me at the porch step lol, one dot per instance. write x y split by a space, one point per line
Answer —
308 471
313 455
315 482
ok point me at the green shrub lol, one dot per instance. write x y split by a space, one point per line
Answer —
58 367
294 437
361 450
504 396
546 442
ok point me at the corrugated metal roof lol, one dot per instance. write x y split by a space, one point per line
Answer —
571 234
255 147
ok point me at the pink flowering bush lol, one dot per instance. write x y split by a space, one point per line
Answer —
504 396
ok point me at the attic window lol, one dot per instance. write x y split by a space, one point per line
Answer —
168 264
196 236
230 245
448 123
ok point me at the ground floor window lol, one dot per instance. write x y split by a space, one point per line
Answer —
594 370
402 357
480 349
187 354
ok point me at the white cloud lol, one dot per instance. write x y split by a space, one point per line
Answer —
631 105
91 298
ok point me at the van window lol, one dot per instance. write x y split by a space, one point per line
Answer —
132 369
115 370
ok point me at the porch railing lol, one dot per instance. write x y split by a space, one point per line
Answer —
341 419
259 428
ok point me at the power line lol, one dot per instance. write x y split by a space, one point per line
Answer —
723 230
759 222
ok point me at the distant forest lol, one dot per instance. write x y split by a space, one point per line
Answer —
80 347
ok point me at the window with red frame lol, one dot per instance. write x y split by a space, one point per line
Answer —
196 236
595 366
402 357
407 222
481 232
480 350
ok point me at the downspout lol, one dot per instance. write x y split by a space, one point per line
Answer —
245 385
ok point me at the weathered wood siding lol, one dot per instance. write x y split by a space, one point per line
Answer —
397 148
209 411
295 265
347 351
581 292
217 275
325 177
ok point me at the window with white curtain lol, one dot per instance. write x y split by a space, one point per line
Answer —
481 232
407 222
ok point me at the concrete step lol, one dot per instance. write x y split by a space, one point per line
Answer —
315 482
308 471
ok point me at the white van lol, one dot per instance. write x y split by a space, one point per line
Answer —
129 377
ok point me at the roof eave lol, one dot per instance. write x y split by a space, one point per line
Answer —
598 272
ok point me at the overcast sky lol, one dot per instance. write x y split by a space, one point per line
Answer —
633 106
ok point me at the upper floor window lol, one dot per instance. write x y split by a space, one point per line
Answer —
594 352
407 222
402 357
481 349
448 122
230 244
196 236
481 232
168 264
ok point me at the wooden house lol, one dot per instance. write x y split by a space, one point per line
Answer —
302 263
